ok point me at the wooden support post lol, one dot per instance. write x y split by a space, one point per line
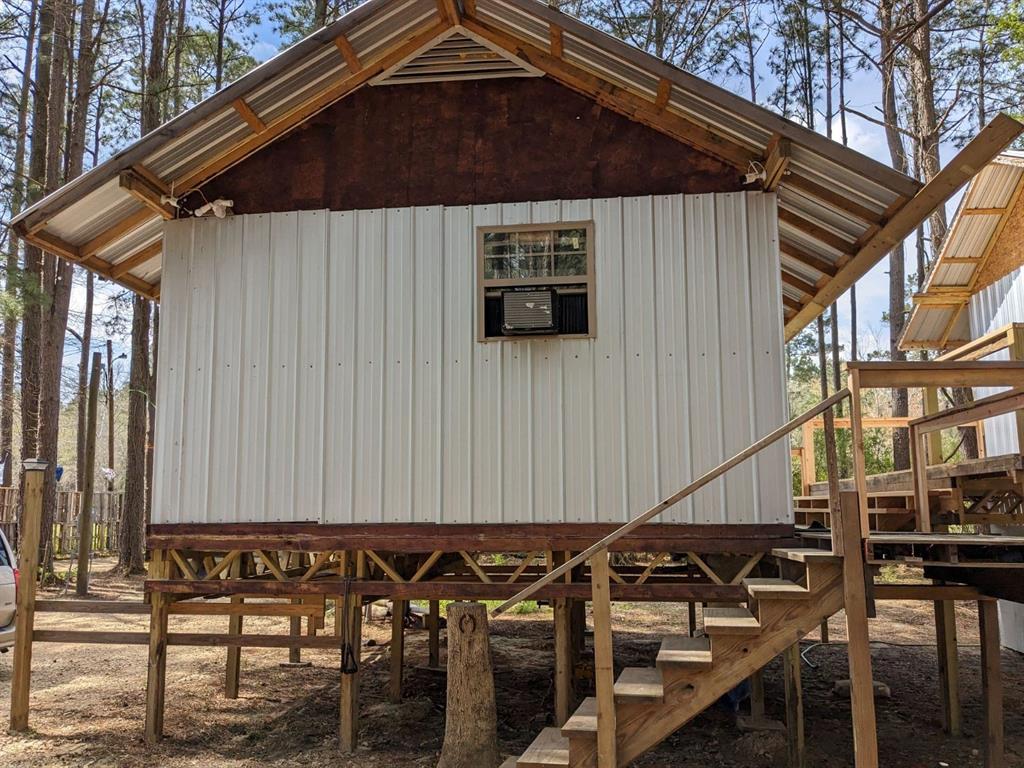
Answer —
860 476
949 665
808 470
564 666
757 697
1016 352
233 666
931 405
604 673
295 629
691 618
794 707
397 650
156 677
849 543
991 682
350 682
28 568
434 634
89 470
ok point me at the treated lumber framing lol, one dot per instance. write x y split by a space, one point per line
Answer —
137 259
949 665
796 749
776 162
604 675
991 683
348 53
249 115
817 264
992 139
449 11
664 93
28 566
556 45
397 651
142 190
848 542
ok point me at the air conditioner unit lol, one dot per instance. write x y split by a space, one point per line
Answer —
528 311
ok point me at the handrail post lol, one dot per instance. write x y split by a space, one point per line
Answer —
604 673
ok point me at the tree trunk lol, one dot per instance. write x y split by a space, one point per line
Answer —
10 320
471 720
83 382
131 557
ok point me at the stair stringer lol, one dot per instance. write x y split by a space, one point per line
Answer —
639 727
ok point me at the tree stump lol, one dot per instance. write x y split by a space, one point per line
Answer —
471 721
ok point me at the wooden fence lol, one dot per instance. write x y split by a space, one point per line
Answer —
106 519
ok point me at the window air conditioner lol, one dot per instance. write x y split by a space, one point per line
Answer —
529 311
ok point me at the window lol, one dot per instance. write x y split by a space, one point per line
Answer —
536 280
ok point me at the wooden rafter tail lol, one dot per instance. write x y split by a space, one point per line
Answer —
137 259
776 162
145 193
248 114
348 53
557 45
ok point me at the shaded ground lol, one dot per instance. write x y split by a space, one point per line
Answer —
88 701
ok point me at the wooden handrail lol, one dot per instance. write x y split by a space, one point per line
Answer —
674 499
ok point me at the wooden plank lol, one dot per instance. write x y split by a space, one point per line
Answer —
137 259
125 607
397 651
28 567
604 675
776 162
834 198
449 10
862 694
809 259
556 45
795 746
350 679
664 93
991 683
983 346
940 592
949 665
156 676
246 113
233 659
348 53
992 139
935 374
141 190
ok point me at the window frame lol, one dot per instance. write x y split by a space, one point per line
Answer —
485 284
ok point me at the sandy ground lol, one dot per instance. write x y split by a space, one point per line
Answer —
88 700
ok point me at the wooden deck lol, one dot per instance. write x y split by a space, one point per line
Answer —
939 476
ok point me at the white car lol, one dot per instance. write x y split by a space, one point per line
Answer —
8 593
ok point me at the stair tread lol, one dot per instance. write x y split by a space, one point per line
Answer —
550 748
584 720
683 650
730 621
806 554
780 588
510 762
640 683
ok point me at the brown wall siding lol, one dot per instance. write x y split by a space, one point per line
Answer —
457 143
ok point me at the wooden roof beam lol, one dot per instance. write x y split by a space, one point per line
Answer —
348 53
117 231
142 190
776 162
557 44
801 285
249 115
810 260
818 232
942 299
791 303
664 94
983 211
137 259
469 7
69 252
834 198
449 10
992 139
618 99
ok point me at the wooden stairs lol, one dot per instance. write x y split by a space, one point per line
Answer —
692 673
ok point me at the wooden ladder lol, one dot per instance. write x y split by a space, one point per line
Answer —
647 704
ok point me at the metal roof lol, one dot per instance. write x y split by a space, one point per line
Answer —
839 211
939 319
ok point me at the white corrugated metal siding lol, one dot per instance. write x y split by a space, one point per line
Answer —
991 308
324 366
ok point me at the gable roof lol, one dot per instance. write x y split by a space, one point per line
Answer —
839 211
967 262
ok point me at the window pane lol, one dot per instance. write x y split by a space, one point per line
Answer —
530 266
534 242
571 264
496 269
571 240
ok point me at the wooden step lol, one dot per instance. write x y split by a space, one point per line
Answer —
682 651
775 589
640 683
583 721
510 762
807 555
549 749
730 621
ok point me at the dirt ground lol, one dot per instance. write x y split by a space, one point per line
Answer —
88 700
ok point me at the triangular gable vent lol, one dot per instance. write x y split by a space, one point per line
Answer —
458 54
